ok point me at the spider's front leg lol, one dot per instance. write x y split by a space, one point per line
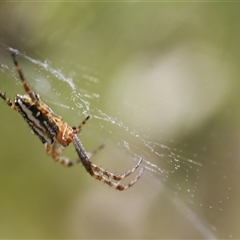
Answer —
101 174
116 177
118 185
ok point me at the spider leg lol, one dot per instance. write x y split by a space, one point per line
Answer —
106 172
113 175
82 154
24 83
94 152
117 186
54 150
78 129
8 101
102 174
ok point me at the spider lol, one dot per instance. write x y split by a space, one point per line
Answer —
57 134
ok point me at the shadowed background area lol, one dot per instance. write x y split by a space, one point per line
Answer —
160 81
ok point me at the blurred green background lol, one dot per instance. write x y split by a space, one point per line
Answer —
160 80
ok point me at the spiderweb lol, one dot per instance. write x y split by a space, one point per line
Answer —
185 172
160 80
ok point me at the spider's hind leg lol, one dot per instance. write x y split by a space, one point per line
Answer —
24 82
8 101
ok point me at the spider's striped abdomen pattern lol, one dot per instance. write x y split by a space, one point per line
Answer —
57 134
43 126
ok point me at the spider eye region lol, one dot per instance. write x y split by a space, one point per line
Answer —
40 123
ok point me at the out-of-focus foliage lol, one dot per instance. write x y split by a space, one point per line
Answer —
169 71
